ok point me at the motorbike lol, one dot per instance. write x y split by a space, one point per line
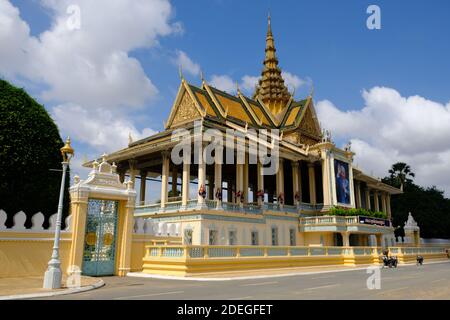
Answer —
419 260
390 262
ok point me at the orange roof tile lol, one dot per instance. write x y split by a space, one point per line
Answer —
205 103
235 109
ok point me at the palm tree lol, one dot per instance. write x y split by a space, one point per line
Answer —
400 172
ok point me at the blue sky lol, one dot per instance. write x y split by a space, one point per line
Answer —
323 42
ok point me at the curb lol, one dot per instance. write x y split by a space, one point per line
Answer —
96 285
166 277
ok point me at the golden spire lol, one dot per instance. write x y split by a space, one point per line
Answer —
271 88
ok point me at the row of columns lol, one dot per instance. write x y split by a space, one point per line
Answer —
385 199
346 239
242 184
242 181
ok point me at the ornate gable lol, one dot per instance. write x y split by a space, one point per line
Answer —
309 129
186 110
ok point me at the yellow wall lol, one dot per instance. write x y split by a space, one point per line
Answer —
139 241
184 265
243 230
314 238
27 253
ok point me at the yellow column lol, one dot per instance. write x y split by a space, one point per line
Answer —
352 186
201 203
260 176
368 205
164 179
300 191
388 205
245 179
383 202
185 185
239 181
312 183
126 239
376 201
218 182
379 238
358 194
280 179
143 185
78 208
345 239
326 178
295 182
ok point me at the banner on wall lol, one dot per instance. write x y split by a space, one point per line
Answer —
341 170
374 221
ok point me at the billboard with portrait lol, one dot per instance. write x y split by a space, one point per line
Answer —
342 175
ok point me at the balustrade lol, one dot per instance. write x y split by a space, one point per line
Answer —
206 251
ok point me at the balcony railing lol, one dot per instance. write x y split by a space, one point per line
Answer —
416 250
333 220
210 251
248 208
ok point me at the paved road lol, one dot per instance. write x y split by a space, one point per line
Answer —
430 281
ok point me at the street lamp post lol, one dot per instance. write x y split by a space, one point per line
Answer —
53 275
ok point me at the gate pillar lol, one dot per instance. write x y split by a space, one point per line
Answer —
103 183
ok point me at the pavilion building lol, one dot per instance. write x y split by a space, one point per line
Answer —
235 202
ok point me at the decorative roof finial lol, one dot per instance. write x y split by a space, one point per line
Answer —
202 76
180 72
237 88
312 90
271 88
348 147
130 138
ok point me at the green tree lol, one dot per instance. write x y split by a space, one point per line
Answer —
400 173
29 150
428 205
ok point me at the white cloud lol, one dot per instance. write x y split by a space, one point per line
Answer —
248 83
292 81
104 130
223 82
88 72
91 65
391 128
182 60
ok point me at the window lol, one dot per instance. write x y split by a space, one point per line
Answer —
255 239
188 236
292 239
232 238
274 236
212 237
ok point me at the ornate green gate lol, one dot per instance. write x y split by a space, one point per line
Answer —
100 238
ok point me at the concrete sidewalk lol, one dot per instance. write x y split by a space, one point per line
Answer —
31 287
266 273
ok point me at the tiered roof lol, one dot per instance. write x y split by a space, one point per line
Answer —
271 88
209 103
270 107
